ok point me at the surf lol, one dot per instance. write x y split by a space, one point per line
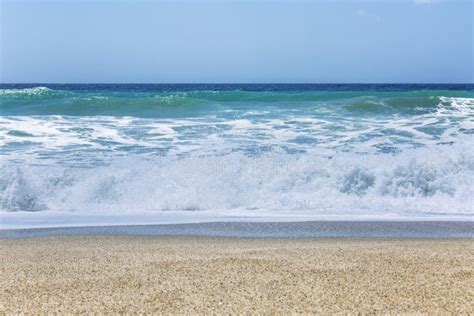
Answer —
254 152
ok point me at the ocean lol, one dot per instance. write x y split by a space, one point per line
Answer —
107 154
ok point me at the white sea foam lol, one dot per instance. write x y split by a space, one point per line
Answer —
294 132
252 164
423 182
26 91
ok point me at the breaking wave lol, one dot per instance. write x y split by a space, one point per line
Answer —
326 154
421 181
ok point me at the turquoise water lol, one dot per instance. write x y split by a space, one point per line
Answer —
230 151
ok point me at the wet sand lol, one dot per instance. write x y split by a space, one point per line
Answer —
235 275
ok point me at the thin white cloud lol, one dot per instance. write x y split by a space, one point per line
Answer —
365 14
424 1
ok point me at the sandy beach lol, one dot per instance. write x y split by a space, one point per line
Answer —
231 275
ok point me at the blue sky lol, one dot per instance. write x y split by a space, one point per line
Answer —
322 41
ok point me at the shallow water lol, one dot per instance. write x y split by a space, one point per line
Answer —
324 229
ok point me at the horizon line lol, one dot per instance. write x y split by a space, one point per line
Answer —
239 83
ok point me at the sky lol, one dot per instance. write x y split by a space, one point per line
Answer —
240 41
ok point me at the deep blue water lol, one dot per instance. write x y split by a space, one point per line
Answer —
243 87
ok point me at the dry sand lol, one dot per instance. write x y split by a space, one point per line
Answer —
203 275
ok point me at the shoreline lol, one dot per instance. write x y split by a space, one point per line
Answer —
300 229
57 219
169 274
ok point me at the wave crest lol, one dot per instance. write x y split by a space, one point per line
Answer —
420 181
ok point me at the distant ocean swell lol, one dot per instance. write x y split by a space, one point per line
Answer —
45 101
325 154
